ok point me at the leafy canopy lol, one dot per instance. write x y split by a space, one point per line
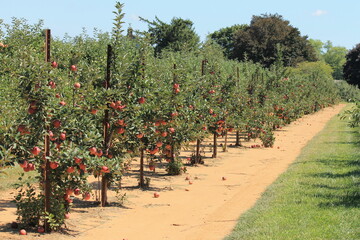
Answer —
261 40
179 35
225 38
352 66
332 55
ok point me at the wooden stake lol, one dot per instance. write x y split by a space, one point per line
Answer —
198 141
47 183
141 182
106 135
215 146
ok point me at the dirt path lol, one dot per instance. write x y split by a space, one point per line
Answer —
207 209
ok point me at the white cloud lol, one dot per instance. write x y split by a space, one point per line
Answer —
319 13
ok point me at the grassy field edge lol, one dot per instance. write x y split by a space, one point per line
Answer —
318 197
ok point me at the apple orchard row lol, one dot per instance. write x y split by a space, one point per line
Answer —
100 107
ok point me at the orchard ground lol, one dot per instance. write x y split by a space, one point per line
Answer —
204 203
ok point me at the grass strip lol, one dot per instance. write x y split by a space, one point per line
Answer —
318 197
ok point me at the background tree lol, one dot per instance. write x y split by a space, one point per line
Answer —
259 42
179 35
318 46
333 56
225 38
352 66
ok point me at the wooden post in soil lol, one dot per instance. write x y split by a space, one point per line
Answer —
214 155
106 124
47 182
198 141
237 143
141 182
172 151
226 138
237 138
141 170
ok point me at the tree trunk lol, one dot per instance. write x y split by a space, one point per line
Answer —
215 146
237 139
141 182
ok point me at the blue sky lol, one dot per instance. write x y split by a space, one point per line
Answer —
337 21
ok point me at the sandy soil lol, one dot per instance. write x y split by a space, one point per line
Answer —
206 207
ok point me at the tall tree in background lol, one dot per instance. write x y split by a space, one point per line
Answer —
336 58
261 40
179 35
225 38
332 55
352 66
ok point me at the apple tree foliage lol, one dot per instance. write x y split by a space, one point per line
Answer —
150 107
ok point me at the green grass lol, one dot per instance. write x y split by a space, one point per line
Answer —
9 177
318 197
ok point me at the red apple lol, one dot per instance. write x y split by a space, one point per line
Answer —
70 169
159 144
23 164
67 215
92 150
120 130
154 151
174 114
77 85
77 160
31 167
172 130
120 122
51 136
156 195
54 165
105 169
73 68
77 191
58 95
82 166
35 151
164 134
94 111
22 232
139 135
54 64
190 182
21 128
62 103
63 136
56 123
113 105
41 229
141 100
32 110
99 153
86 196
